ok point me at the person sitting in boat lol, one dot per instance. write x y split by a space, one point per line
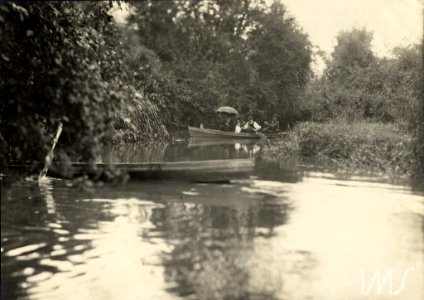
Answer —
239 125
274 126
251 125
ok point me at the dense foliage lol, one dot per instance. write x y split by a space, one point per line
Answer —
361 86
61 62
210 53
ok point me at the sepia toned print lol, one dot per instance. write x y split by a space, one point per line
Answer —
246 149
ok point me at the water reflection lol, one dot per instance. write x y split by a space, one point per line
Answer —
213 245
284 233
86 240
193 149
137 152
36 238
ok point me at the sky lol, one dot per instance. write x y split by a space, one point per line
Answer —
393 22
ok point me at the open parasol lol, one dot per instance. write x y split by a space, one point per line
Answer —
227 110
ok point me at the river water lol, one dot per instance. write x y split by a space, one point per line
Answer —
287 231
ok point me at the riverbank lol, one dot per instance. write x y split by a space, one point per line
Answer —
358 147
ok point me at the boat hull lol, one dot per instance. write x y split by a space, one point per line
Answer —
193 171
196 132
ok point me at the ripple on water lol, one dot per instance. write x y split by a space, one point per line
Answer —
59 265
28 271
39 277
54 225
25 249
59 252
28 257
281 240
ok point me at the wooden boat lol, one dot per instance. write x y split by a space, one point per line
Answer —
196 132
204 170
193 170
222 165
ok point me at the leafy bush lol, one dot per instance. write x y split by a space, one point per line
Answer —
366 146
357 88
63 63
382 90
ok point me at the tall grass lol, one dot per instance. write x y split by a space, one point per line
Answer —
372 147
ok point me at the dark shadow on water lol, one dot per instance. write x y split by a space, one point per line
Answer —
213 244
285 170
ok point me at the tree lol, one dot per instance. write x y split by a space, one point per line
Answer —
61 62
353 50
239 53
386 90
281 57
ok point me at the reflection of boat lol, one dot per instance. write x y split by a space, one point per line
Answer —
178 169
199 142
218 134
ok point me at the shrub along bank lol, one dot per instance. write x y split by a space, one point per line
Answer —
360 146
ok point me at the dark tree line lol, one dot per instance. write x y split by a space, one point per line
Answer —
240 53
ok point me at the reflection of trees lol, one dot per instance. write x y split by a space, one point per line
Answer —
25 214
213 234
213 245
15 208
138 152
229 151
285 171
163 151
32 219
214 152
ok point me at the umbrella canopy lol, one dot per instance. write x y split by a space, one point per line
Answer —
228 110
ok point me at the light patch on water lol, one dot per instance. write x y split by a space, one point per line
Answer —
191 192
42 276
129 201
60 266
342 229
54 225
61 231
355 181
117 264
58 252
25 272
25 249
273 188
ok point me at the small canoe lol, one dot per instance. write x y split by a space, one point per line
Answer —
195 170
221 165
207 170
196 132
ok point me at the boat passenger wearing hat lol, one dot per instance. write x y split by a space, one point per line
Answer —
251 125
274 126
